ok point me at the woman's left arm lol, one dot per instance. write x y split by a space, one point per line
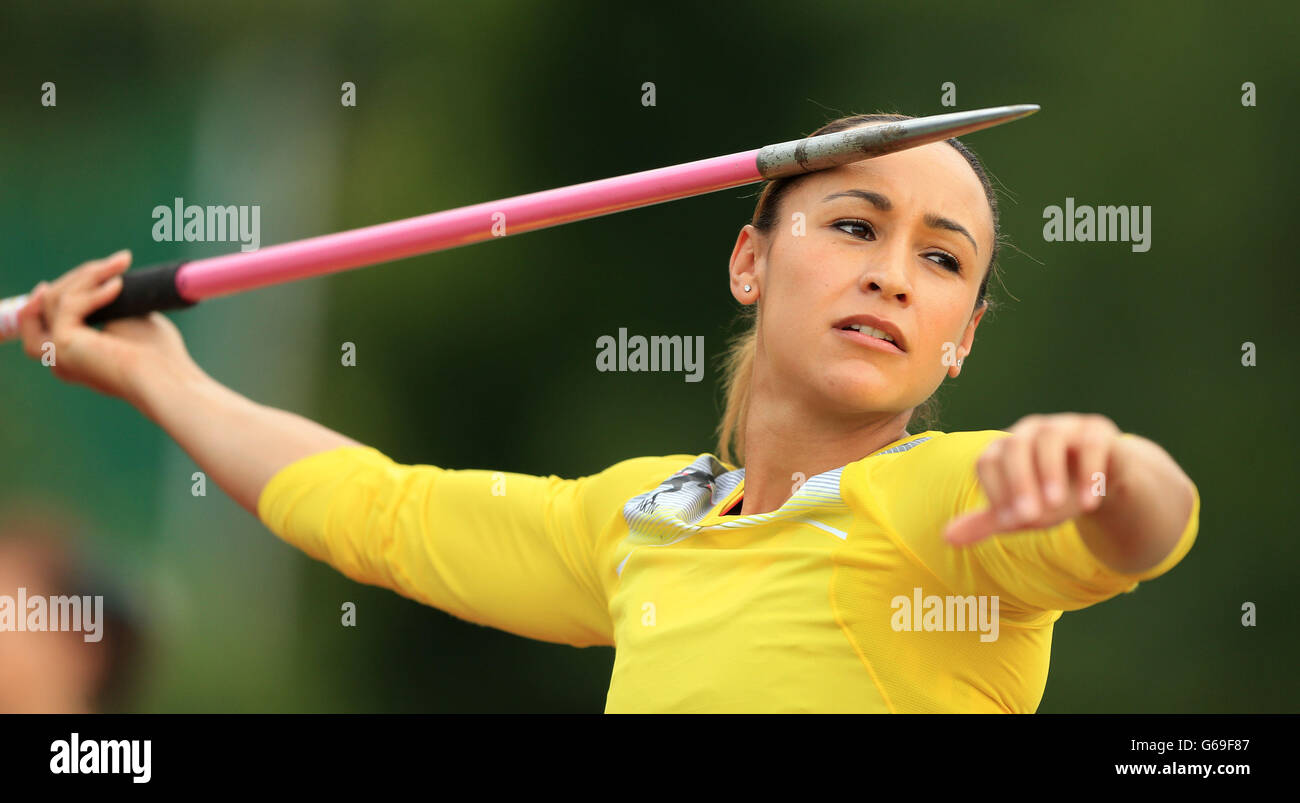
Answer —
1130 500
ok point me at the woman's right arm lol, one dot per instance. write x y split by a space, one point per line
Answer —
505 550
238 443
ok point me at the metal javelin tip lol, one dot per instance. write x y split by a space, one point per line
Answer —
843 147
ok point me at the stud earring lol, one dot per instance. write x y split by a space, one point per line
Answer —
746 288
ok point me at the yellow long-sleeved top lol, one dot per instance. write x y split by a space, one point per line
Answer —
846 598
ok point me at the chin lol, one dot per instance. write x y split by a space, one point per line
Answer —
860 390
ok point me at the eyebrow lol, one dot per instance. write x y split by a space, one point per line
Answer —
885 205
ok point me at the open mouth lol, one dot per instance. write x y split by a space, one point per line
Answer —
870 335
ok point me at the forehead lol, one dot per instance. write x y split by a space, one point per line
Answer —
933 178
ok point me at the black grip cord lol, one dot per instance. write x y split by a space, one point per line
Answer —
144 290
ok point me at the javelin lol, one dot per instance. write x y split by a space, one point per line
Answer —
177 285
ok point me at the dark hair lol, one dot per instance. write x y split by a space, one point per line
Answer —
739 360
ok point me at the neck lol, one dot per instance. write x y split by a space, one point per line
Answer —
786 443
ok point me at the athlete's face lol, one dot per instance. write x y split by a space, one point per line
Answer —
899 243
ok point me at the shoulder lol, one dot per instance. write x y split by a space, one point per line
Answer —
932 450
639 470
608 491
954 448
934 472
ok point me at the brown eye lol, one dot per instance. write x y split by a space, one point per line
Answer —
861 225
947 260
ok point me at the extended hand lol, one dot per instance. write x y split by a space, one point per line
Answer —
1044 473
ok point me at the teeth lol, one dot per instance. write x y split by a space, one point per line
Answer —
867 330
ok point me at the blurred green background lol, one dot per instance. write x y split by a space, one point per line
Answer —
483 357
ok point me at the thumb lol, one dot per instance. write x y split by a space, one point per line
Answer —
33 305
971 528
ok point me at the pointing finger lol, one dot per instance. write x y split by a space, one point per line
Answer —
971 527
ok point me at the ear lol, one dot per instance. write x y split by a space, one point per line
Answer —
746 257
967 340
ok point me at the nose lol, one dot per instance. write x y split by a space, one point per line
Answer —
888 276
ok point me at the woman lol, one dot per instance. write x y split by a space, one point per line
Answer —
848 566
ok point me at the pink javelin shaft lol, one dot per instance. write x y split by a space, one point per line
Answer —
232 273
182 284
